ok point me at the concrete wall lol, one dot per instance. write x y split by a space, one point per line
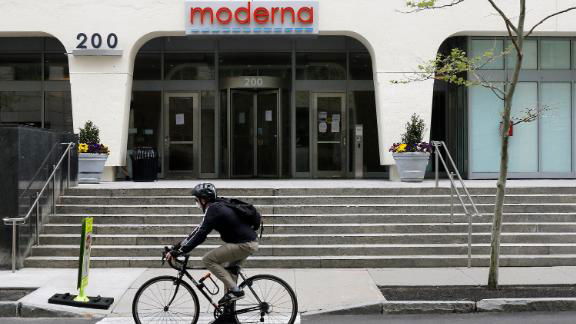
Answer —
101 86
29 153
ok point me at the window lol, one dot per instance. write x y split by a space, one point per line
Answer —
530 61
256 64
43 100
58 111
56 67
555 54
485 110
490 51
21 107
321 66
302 131
556 147
360 66
147 66
189 66
20 67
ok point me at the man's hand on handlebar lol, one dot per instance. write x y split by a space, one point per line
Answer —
169 254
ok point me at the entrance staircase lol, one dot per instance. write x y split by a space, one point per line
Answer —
319 228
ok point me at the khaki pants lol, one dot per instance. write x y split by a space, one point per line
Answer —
229 254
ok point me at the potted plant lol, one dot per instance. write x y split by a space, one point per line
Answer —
91 154
412 154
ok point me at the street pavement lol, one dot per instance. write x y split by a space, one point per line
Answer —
516 318
474 318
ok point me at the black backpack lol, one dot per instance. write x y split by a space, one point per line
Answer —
247 213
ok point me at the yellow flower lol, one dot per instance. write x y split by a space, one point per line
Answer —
82 148
401 148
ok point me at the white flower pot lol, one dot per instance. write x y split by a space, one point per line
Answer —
411 165
90 167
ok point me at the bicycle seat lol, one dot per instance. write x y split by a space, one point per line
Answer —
234 269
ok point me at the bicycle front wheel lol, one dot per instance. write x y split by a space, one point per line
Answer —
268 299
165 299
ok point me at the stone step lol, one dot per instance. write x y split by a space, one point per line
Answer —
359 261
296 200
317 250
184 229
315 209
316 218
322 239
309 191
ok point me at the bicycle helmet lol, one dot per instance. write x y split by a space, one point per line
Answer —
205 191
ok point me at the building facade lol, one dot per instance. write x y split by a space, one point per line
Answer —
282 89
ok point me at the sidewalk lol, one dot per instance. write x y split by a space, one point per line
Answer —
317 289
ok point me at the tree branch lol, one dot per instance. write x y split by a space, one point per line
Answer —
507 21
421 5
547 18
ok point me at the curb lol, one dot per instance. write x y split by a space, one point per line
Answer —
18 309
526 305
428 307
8 309
359 309
509 305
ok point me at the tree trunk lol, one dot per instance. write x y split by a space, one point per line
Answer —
501 185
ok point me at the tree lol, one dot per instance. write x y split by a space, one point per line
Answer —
451 67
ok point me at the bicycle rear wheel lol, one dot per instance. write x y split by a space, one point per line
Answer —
157 301
268 299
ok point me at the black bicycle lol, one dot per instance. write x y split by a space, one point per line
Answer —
169 299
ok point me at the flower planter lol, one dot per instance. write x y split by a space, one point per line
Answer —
90 167
411 165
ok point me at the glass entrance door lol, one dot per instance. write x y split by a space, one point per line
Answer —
254 133
329 135
181 138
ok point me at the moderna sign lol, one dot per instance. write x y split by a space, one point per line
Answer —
251 17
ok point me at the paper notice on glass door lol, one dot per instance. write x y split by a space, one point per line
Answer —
322 115
179 119
335 126
241 118
322 127
268 115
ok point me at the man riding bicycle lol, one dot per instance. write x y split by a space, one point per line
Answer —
240 241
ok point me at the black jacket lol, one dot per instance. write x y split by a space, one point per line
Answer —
222 219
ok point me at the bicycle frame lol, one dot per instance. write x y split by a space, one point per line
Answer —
183 271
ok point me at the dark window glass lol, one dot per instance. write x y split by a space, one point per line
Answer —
208 132
255 64
302 131
147 66
58 111
145 119
21 107
189 66
360 66
223 133
20 67
364 103
56 67
321 66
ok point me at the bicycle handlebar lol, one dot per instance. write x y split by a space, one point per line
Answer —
174 262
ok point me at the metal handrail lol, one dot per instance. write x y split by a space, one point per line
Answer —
36 206
453 188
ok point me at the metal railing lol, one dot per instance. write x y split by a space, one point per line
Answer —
35 207
453 188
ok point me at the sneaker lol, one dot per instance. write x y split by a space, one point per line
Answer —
226 318
231 296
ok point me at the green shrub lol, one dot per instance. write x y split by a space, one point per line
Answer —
414 131
90 134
